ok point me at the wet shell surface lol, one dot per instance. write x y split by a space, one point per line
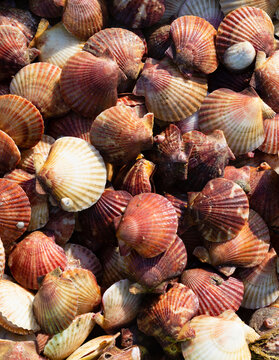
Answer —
74 173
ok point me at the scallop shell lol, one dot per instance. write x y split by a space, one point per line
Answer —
171 10
74 173
238 115
67 341
9 153
180 203
216 293
193 48
169 95
149 219
271 141
120 307
15 212
35 256
2 259
267 5
47 8
89 84
246 24
205 207
55 304
16 314
39 83
241 176
158 41
137 103
120 135
20 350
207 9
89 293
21 120
132 353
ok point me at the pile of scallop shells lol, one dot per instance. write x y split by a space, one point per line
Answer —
139 179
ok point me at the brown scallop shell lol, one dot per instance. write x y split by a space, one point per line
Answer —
168 94
120 135
148 219
39 83
125 47
55 304
15 212
180 203
267 5
271 141
220 210
35 256
246 24
138 13
216 293
241 176
9 153
89 83
193 47
158 41
46 8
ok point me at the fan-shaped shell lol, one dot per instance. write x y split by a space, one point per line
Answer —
267 5
168 94
89 84
9 153
148 225
39 83
271 141
238 115
74 173
193 48
220 210
46 8
35 256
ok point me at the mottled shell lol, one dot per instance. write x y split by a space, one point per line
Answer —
267 5
220 210
39 83
241 176
271 141
9 153
149 219
74 173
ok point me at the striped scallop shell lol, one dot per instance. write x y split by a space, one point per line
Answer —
137 103
125 47
46 8
148 225
246 24
57 45
55 304
21 120
180 203
15 212
261 286
67 341
168 94
89 292
39 83
89 84
35 256
207 9
216 338
171 10
120 135
267 5
216 293
74 173
238 115
193 48
241 176
9 153
16 314
84 18
120 307
220 210
271 141
138 13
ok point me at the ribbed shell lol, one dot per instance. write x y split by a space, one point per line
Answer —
35 256
55 304
271 141
138 13
246 24
67 341
15 212
169 95
179 201
267 5
238 115
193 48
120 135
46 8
241 176
20 119
9 153
220 210
261 286
89 292
158 41
84 18
2 259
89 84
207 9
74 173
16 314
57 45
39 83
120 307
148 225
152 272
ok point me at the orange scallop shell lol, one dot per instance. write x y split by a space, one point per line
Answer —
271 141
9 153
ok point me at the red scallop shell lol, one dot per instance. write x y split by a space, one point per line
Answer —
9 153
